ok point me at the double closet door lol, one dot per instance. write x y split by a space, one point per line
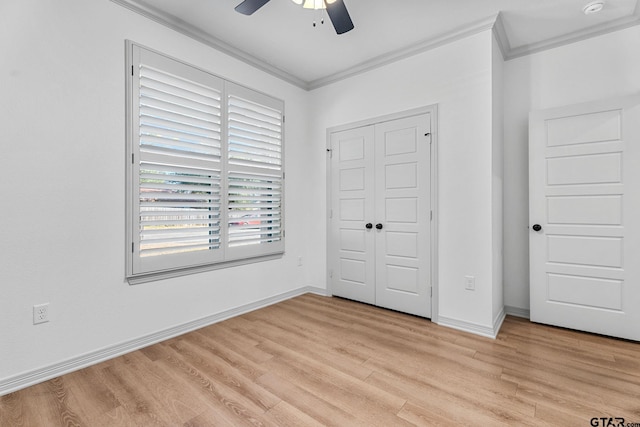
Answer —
380 219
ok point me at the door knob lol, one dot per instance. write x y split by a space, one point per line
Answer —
369 226
537 227
379 226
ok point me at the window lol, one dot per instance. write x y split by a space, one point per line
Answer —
206 179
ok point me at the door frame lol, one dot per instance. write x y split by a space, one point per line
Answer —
432 110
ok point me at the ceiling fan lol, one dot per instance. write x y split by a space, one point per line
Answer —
336 10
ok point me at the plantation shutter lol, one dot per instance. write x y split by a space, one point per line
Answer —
206 178
177 162
254 173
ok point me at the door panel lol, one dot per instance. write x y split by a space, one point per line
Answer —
403 204
584 128
352 192
593 210
585 250
586 291
401 175
580 169
584 193
401 209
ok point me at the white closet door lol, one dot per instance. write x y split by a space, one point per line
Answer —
403 205
352 255
380 242
585 217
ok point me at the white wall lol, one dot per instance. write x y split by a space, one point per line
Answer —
62 166
497 177
457 77
596 68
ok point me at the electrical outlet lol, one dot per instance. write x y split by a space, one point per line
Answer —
40 313
470 283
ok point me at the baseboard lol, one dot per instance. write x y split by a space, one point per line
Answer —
26 379
498 321
517 311
318 291
474 328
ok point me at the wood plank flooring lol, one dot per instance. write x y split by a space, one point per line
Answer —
313 361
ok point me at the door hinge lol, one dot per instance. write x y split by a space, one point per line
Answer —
430 215
133 161
330 213
330 151
132 71
283 116
132 248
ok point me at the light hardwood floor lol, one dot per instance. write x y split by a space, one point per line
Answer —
313 361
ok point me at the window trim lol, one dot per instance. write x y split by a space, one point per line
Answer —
230 257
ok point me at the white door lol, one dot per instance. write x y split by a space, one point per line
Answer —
584 179
402 209
352 258
380 221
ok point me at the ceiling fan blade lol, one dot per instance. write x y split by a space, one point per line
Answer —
339 16
248 7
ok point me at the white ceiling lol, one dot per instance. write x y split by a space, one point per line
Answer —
281 39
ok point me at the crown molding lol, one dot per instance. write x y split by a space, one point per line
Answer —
576 36
494 23
412 50
189 30
500 34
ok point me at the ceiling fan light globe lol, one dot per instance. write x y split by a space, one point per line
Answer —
314 4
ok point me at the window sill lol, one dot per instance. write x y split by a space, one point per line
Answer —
170 274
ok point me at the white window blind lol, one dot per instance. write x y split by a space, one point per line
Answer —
254 172
206 176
